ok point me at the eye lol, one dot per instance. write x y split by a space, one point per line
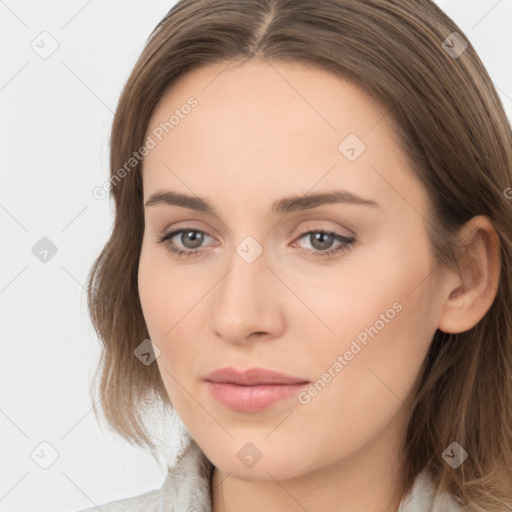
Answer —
321 242
192 239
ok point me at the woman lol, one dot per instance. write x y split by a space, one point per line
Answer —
311 260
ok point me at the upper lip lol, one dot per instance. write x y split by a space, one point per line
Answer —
252 377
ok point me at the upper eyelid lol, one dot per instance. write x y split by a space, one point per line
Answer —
188 224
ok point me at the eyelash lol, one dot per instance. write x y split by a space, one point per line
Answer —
345 247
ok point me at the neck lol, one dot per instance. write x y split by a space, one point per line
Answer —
368 480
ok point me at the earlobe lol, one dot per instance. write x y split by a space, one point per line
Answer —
471 292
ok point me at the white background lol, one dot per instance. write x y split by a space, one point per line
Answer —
55 119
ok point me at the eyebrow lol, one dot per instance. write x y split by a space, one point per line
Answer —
280 206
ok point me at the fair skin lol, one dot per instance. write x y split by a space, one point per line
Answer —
258 135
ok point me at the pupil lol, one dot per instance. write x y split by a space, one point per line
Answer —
324 239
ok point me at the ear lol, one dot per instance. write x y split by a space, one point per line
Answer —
471 292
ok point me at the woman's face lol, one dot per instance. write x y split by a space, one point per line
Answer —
282 152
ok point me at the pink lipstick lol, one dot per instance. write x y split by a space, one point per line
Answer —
253 389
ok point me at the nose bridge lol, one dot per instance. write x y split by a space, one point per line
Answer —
243 302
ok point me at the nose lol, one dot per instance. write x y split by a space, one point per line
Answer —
247 303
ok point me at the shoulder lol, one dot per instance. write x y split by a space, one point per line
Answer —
147 502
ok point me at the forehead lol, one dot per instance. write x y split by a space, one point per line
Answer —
275 94
284 125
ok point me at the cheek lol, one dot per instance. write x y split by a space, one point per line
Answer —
364 374
372 291
383 325
163 290
151 292
162 298
380 303
170 301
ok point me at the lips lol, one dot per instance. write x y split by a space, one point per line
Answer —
252 377
252 390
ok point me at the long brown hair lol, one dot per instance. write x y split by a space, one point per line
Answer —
453 127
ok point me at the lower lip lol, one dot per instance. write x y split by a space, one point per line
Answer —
252 398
